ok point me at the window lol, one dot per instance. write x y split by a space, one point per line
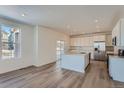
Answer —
9 42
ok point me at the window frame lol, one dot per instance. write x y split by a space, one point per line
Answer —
12 26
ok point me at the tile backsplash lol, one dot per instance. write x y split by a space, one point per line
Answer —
116 49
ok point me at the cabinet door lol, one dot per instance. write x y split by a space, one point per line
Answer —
78 43
108 40
99 38
85 41
72 41
82 40
102 38
117 34
113 33
90 41
95 38
75 42
122 33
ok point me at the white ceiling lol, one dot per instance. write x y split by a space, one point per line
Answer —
71 19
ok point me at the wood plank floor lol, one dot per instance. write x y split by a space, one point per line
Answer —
51 76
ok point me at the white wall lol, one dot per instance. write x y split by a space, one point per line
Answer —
38 46
45 42
27 39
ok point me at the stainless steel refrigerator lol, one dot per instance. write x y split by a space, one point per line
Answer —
99 50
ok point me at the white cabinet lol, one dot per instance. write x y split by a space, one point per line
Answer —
72 40
108 40
75 62
75 42
118 32
86 41
82 41
116 68
122 32
91 41
99 38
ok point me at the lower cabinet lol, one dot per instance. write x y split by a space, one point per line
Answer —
116 68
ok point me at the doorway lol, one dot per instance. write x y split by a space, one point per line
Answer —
59 51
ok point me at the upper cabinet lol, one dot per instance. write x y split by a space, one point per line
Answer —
118 32
108 40
75 42
89 40
99 38
82 41
122 32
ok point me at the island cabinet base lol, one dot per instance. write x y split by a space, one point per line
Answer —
116 68
75 62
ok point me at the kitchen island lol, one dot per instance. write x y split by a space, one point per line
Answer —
116 67
75 61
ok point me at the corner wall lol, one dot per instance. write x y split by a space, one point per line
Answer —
38 46
27 39
45 43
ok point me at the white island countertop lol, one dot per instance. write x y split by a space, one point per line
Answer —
75 61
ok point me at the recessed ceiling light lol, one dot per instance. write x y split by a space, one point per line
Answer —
96 21
23 14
